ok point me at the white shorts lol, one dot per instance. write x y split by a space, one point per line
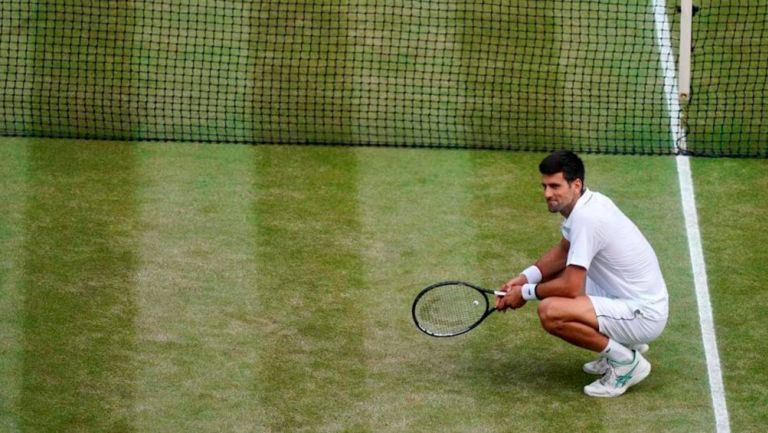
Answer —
623 323
621 320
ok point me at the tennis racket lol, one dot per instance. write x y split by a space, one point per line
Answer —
452 308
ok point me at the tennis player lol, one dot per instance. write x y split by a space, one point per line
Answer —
600 287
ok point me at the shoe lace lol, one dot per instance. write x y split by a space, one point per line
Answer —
611 377
603 362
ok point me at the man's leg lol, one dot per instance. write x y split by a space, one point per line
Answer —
575 321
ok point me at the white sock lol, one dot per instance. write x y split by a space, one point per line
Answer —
617 352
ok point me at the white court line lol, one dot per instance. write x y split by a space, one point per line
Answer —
706 321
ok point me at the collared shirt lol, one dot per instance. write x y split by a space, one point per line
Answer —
616 255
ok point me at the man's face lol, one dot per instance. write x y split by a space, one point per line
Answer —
560 195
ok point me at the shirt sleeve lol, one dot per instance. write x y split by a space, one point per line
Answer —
586 241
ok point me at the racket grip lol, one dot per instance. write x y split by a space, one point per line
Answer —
499 293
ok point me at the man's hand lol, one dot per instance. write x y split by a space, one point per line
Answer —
514 298
517 281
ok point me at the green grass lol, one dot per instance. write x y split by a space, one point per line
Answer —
167 287
13 197
76 279
731 198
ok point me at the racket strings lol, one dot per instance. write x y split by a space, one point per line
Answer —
451 309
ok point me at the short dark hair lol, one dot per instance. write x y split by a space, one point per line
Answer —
563 161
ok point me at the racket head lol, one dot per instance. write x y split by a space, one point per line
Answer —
451 308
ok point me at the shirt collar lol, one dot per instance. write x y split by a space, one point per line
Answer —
583 200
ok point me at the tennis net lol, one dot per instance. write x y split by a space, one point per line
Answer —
728 111
493 74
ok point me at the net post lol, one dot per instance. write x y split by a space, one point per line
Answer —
684 66
684 73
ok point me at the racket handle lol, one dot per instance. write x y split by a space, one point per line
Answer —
499 293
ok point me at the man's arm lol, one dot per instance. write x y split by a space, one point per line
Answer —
552 263
567 284
557 279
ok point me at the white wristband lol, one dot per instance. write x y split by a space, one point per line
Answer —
533 274
529 292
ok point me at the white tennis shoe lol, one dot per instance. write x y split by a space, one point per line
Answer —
619 377
600 365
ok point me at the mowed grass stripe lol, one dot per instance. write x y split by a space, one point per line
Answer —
13 160
731 197
79 308
199 313
413 211
312 372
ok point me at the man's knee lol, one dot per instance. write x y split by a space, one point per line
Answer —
550 315
554 313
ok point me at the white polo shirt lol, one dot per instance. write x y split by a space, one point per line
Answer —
618 258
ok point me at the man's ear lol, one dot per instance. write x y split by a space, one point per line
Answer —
579 185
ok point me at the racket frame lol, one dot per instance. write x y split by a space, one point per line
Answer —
489 309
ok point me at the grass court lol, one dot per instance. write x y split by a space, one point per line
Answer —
181 287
